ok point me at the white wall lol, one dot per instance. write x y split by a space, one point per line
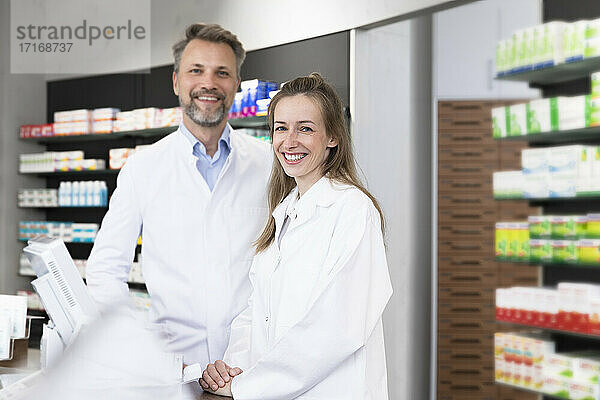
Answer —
22 100
280 21
464 48
391 134
268 22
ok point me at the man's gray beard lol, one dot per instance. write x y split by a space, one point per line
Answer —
201 119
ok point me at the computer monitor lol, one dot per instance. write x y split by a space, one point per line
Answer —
61 290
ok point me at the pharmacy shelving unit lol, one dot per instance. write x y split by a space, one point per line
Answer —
570 136
467 274
556 74
554 81
557 331
97 146
152 134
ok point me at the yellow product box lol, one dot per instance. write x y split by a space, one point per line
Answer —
589 251
522 234
593 226
502 237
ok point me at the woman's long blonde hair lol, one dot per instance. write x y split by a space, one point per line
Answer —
339 166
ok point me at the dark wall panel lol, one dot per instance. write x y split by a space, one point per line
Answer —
124 91
158 88
572 10
329 55
114 90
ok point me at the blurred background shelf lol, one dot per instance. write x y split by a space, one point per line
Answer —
555 74
567 136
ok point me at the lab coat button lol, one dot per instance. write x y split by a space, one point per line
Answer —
266 319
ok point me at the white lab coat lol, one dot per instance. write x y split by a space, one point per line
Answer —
197 244
312 328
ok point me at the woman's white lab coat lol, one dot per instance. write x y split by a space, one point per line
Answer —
312 328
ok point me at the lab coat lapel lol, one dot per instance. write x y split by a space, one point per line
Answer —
279 212
321 194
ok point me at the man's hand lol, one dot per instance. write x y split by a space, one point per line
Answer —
218 375
222 391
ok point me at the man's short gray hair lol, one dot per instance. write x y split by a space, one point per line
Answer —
211 33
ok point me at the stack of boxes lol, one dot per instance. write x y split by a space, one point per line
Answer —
66 231
547 45
508 184
561 171
141 118
519 358
147 118
572 307
467 271
37 198
512 241
74 122
545 115
529 360
103 120
559 239
56 161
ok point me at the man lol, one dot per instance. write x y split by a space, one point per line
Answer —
198 199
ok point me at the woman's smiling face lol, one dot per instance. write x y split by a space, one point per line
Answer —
300 140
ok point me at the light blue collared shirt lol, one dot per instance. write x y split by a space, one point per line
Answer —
209 167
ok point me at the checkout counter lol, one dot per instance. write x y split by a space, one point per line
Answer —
117 354
23 367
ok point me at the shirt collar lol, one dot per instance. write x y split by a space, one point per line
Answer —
225 139
322 193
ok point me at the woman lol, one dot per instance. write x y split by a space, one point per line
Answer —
312 328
